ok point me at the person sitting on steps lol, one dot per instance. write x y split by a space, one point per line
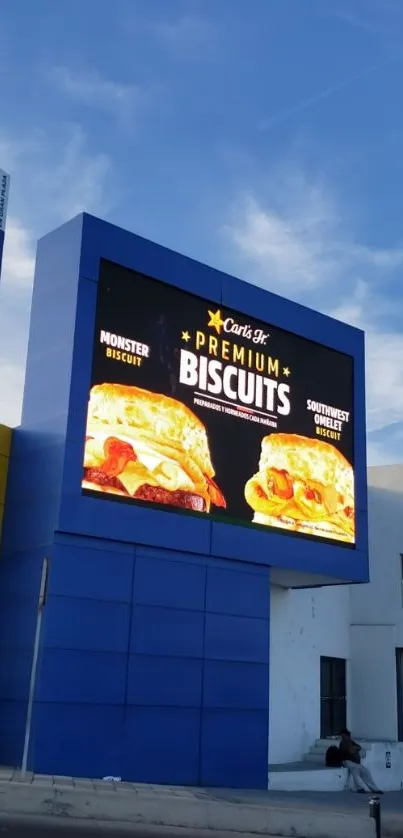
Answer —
350 758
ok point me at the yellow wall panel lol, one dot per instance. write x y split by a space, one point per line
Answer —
5 440
5 447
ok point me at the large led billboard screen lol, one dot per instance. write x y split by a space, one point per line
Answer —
196 408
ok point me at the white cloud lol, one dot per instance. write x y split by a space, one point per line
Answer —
297 241
92 90
74 181
386 448
18 256
15 302
188 37
289 248
384 361
296 245
51 181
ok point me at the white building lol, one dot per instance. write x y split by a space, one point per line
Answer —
319 634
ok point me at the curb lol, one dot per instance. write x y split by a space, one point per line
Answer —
186 812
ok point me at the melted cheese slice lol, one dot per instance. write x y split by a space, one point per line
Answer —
151 467
134 476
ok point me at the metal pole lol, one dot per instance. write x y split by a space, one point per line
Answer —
375 813
31 695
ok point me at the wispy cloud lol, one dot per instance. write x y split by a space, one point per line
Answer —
379 20
190 37
78 181
92 90
298 246
359 19
51 181
18 258
319 96
297 241
290 247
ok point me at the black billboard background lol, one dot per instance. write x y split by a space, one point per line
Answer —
156 314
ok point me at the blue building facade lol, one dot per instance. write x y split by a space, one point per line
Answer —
154 650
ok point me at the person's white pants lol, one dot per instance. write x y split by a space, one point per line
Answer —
361 776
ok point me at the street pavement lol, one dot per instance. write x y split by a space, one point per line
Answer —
85 806
50 828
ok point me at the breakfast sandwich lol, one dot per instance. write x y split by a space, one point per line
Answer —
305 485
149 447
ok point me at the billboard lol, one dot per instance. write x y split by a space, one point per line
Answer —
196 408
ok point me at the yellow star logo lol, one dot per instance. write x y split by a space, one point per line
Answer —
216 322
286 371
185 336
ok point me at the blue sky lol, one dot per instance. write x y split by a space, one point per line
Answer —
263 137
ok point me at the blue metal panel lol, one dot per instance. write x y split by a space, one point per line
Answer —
284 551
84 330
167 631
234 747
164 681
236 638
20 613
68 675
20 577
83 737
166 555
91 624
105 574
13 716
161 745
234 592
230 684
17 663
170 584
53 318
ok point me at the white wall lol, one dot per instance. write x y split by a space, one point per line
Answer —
381 602
304 625
363 624
377 611
373 682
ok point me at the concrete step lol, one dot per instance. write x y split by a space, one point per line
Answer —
314 758
286 767
306 777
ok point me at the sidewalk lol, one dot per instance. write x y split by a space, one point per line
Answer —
308 815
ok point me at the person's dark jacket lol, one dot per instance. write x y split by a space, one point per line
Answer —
350 751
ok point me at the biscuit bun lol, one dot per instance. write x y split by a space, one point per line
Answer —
307 458
149 446
159 417
305 485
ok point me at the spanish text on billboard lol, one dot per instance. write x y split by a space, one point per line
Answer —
194 407
4 190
